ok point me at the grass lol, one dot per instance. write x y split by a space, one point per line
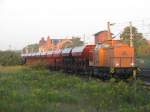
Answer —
23 89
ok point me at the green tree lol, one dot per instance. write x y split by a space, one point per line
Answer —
140 43
75 42
32 48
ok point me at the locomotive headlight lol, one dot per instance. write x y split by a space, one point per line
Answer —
132 64
117 64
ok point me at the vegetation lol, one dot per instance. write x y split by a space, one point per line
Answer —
31 48
75 42
10 58
23 89
140 43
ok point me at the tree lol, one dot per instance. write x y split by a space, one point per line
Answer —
31 48
75 42
139 42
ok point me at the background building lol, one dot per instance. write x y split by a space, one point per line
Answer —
53 44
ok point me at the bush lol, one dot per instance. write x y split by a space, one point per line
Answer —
32 90
9 58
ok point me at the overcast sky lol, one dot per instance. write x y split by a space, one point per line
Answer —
24 22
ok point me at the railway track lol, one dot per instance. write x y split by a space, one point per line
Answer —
145 75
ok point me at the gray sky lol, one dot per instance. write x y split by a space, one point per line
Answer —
24 22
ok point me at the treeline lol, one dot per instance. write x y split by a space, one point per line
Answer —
10 58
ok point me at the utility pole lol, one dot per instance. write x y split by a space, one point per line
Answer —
108 28
131 35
